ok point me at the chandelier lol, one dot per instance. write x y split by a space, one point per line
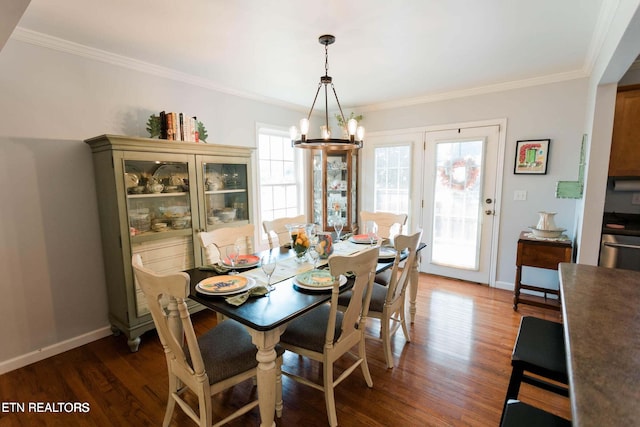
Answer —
355 132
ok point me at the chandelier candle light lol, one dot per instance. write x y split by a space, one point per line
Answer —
356 133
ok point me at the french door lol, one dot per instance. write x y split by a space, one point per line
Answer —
459 213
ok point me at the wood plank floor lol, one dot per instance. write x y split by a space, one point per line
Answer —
453 373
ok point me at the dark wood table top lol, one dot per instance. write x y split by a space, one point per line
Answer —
601 308
282 305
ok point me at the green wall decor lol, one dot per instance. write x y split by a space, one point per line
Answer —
574 189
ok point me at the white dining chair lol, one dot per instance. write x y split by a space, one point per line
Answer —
216 241
277 232
388 302
325 334
389 224
219 359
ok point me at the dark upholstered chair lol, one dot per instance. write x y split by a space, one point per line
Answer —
388 302
221 358
325 334
519 414
539 350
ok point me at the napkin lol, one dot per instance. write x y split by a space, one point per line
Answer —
214 267
243 297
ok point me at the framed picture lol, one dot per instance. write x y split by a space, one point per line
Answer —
532 156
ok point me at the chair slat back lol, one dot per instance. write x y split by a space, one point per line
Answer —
363 266
215 242
276 231
176 288
400 276
389 224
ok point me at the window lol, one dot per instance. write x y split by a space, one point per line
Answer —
393 176
280 188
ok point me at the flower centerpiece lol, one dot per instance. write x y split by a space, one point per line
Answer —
301 242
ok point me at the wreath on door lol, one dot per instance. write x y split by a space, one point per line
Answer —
459 174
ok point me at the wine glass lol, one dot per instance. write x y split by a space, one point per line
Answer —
233 252
269 263
371 229
337 226
314 254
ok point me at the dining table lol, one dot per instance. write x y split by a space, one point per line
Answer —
601 317
266 317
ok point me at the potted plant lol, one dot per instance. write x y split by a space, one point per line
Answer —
343 124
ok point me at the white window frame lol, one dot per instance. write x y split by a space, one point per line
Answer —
277 131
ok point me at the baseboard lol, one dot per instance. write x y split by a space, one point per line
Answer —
508 286
52 350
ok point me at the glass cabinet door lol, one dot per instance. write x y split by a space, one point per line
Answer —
159 209
334 188
158 199
226 194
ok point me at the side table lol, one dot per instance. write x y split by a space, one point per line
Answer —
539 253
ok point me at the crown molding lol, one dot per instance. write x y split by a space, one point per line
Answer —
62 45
479 90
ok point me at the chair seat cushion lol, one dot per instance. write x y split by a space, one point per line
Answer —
378 297
384 277
540 346
227 350
310 330
518 414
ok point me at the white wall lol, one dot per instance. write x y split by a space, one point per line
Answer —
554 111
52 278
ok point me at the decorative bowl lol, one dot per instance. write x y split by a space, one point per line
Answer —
549 234
227 215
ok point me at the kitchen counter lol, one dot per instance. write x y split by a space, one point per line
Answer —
602 334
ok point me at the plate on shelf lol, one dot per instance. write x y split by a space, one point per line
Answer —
225 285
131 180
174 173
244 261
362 239
317 280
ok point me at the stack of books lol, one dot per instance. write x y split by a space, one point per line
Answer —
178 127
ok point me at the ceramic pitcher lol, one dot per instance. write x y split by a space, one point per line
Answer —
546 221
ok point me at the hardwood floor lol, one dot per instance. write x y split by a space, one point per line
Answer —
453 373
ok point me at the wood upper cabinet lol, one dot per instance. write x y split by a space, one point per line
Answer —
625 142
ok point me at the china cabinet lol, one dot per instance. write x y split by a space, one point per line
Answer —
625 141
154 196
333 187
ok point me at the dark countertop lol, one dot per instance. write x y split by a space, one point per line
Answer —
629 222
601 311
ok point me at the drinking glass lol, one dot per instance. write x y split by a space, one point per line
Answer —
371 229
269 263
337 226
233 252
314 254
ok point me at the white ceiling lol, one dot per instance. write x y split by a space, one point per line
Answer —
386 52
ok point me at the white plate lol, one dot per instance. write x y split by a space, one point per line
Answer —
175 172
250 284
362 239
387 253
131 180
244 261
342 281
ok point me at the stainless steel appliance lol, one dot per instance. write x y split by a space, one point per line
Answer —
620 251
